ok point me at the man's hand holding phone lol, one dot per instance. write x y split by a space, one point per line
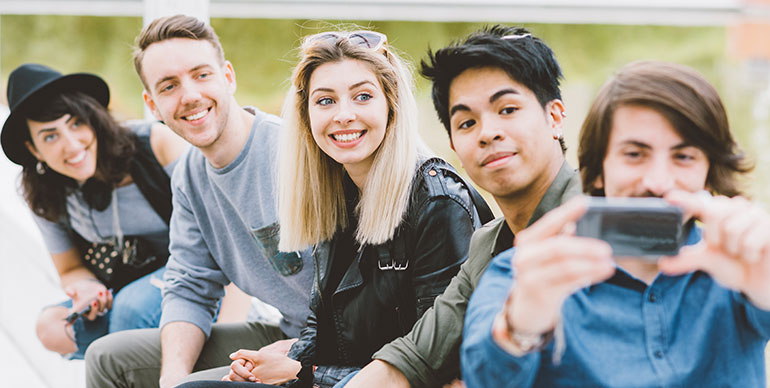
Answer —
735 249
550 263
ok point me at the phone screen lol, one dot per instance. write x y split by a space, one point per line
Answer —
639 227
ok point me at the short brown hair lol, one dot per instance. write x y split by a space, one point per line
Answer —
170 27
689 103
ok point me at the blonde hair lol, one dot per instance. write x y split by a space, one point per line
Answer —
311 201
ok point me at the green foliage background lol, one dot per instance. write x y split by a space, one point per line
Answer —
263 52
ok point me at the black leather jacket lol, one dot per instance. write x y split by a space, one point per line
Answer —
389 286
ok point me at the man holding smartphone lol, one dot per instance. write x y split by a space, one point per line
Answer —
558 310
497 94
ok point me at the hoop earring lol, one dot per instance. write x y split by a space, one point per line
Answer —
40 168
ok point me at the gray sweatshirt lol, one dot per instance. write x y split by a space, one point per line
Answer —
225 228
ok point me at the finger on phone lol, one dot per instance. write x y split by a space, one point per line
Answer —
94 313
693 204
702 257
756 243
736 228
110 298
560 249
567 276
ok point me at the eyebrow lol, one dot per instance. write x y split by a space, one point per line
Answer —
170 77
458 107
647 146
494 97
501 93
52 129
355 85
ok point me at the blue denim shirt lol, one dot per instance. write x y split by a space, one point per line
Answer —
680 331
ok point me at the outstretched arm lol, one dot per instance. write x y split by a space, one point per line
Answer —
521 295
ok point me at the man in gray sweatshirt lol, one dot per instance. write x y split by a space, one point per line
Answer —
224 225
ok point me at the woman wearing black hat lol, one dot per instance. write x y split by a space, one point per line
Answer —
101 196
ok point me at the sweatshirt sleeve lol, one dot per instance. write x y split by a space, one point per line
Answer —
483 362
194 283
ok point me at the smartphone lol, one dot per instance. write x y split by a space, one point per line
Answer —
72 317
637 227
77 314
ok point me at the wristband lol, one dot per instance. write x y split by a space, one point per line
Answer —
516 342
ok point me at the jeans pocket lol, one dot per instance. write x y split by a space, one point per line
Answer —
285 263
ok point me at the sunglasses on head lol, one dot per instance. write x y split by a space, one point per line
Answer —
515 37
368 39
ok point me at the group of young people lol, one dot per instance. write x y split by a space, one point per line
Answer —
385 264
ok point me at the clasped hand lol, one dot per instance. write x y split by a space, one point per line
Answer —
268 365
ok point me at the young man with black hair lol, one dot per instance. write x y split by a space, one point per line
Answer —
497 94
701 318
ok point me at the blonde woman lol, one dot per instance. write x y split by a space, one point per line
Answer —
390 224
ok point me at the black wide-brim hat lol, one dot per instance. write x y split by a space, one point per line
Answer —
33 80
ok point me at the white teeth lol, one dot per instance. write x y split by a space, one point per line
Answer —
78 158
197 115
347 137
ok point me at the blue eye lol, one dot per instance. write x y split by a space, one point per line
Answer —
203 75
325 101
364 97
49 138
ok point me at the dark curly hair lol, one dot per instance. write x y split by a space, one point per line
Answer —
116 145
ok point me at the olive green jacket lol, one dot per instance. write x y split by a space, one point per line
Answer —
429 355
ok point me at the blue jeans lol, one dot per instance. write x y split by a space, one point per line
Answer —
135 306
344 381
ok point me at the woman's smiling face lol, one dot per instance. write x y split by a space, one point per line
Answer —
348 113
66 145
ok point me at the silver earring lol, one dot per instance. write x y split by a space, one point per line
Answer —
40 167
